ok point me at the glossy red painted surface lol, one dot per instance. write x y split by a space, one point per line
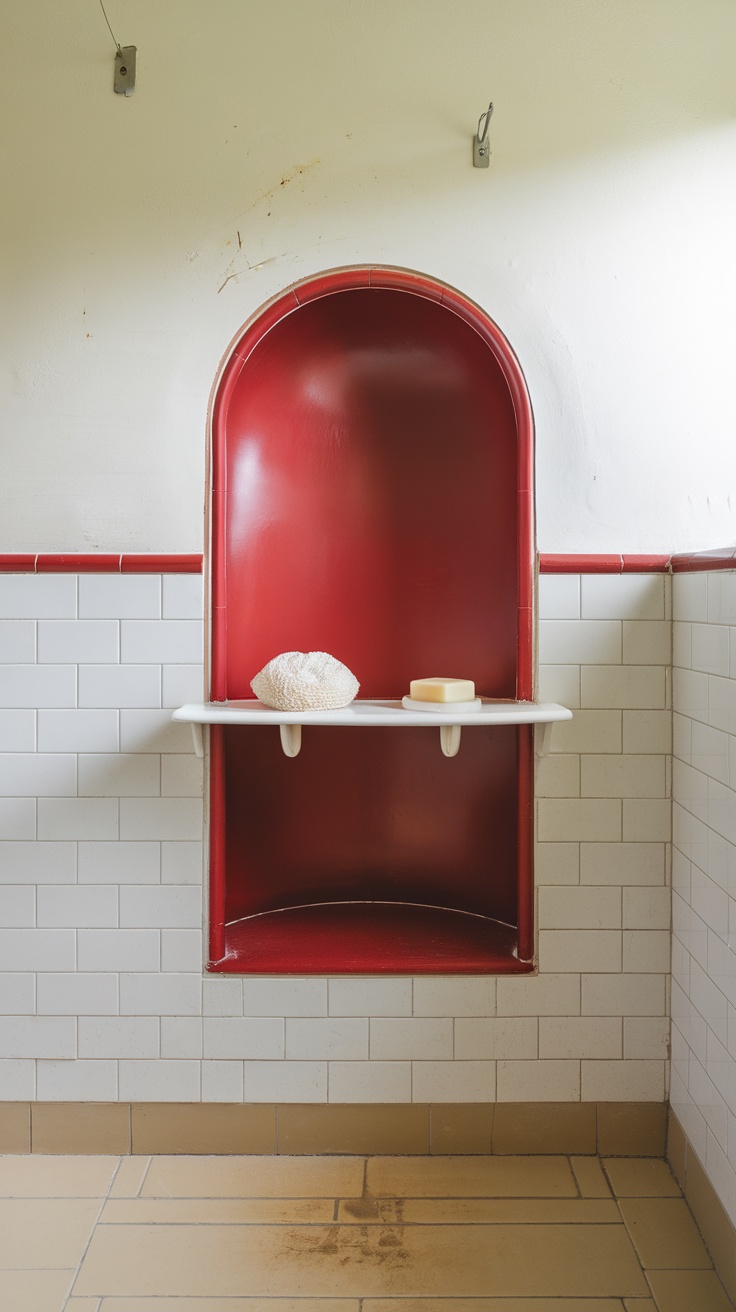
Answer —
371 467
699 561
603 564
99 563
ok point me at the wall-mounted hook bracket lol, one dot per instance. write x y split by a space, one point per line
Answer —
481 148
125 61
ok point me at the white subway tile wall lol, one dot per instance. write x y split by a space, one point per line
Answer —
103 995
703 1090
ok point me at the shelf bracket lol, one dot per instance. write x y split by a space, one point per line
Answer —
197 739
543 739
291 738
450 739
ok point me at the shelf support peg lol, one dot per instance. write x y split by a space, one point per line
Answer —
197 738
450 739
291 738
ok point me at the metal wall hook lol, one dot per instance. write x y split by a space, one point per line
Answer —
481 149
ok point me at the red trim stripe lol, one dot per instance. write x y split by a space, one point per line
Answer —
79 563
603 564
698 561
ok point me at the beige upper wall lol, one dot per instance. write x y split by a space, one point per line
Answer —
267 141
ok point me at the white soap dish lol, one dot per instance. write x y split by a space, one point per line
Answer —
444 708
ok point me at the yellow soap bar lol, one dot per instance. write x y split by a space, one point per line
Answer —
442 690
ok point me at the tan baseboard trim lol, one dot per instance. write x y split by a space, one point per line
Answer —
613 1129
705 1205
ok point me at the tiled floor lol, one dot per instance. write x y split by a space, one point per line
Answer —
346 1234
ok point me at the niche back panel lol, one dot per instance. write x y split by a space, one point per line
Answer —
371 497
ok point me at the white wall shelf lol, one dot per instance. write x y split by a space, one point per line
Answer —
374 714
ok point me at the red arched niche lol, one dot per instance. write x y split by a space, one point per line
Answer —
372 497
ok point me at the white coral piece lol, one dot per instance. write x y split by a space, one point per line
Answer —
305 681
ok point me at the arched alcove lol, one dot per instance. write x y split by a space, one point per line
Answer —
371 469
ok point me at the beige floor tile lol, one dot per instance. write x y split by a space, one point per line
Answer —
47 1233
254 1177
461 1128
641 1177
130 1176
640 1305
471 1177
552 1127
181 1127
218 1211
34 1291
82 1305
356 1128
56 1177
689 1291
75 1127
590 1177
15 1127
226 1305
632 1128
493 1305
475 1211
371 1260
664 1233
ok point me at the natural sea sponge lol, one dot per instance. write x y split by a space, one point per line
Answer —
305 681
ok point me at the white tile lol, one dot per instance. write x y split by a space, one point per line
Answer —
181 1036
38 596
722 597
182 776
78 731
338 1039
369 1081
17 906
292 996
630 686
682 649
175 642
244 1038
580 949
119 775
77 995
163 907
117 949
37 949
709 751
622 1081
647 908
646 822
580 908
119 596
119 685
77 1081
119 863
622 596
623 995
183 596
647 642
182 684
722 703
18 1081
181 863
222 996
622 863
690 596
222 1081
588 731
181 950
78 907
710 648
689 835
178 818
37 863
498 1037
154 994
17 642
75 642
118 1036
721 810
285 1081
539 995
579 820
557 863
402 1039
690 694
622 776
580 1036
453 1081
559 596
370 997
732 650
557 776
721 862
38 1036
460 995
561 684
17 818
709 901
77 817
38 685
538 1081
682 737
153 731
17 731
159 1081
581 642
646 950
17 994
646 1037
647 731
31 774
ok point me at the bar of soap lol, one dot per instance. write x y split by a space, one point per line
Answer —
442 690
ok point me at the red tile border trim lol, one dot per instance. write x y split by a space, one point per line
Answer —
121 563
603 564
698 561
